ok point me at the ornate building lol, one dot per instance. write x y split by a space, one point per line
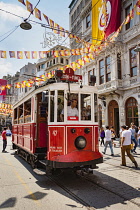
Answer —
117 67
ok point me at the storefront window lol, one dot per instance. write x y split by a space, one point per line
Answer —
52 106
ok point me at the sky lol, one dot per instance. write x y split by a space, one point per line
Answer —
27 40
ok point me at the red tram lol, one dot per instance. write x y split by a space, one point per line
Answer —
45 128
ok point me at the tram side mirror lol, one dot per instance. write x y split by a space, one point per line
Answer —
45 96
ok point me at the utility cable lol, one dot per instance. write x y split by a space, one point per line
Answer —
9 34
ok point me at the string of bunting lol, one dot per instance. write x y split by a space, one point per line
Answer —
56 28
6 109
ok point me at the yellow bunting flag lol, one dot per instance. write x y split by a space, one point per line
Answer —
19 55
37 13
29 6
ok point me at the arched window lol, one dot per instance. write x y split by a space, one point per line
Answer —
131 111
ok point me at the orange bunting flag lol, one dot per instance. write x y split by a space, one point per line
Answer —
29 6
18 85
62 32
27 54
3 54
56 28
52 24
8 86
47 19
37 13
34 55
12 54
41 54
19 55
22 1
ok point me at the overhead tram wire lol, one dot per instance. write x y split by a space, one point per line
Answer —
9 34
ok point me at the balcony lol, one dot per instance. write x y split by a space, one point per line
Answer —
124 84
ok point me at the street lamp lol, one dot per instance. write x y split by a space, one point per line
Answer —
26 25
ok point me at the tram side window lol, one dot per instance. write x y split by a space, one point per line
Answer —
85 107
52 106
60 105
27 111
21 114
95 108
15 116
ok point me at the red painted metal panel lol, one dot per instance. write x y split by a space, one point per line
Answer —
42 137
96 139
79 132
56 142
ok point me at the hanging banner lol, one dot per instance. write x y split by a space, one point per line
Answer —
106 16
3 84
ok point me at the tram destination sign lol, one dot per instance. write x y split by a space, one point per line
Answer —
70 76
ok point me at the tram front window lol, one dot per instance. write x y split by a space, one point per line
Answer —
60 104
85 107
72 108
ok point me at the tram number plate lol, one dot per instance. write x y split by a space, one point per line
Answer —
75 118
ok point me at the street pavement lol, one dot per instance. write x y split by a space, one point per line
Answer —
111 187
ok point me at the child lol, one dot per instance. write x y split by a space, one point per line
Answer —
4 139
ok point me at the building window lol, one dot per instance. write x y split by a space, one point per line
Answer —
53 61
91 73
133 63
62 60
101 71
108 70
127 11
67 61
119 66
42 66
88 21
131 111
48 64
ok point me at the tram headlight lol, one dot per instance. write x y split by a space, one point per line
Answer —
87 130
73 130
80 142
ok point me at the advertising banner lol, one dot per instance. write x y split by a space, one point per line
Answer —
3 83
106 18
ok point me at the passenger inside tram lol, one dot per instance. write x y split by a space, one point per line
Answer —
72 110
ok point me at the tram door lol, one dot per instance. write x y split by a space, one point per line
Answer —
42 116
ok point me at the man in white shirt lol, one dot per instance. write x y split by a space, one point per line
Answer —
126 146
108 141
71 110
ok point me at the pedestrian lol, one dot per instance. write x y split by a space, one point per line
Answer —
126 146
133 137
139 136
102 135
4 138
108 141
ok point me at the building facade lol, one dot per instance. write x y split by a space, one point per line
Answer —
117 68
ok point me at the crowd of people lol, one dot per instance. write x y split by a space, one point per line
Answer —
129 140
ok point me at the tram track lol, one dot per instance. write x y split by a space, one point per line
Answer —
77 198
107 189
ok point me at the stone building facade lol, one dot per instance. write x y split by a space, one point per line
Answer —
117 68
